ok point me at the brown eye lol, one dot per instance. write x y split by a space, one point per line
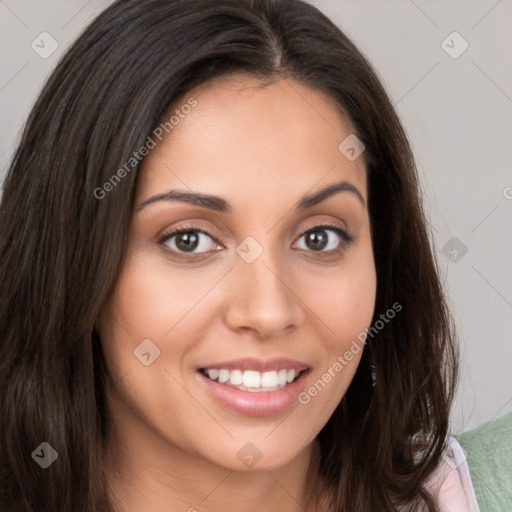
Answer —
188 241
316 240
321 239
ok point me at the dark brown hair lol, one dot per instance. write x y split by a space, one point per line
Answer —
61 249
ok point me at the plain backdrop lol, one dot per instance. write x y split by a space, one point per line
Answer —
446 66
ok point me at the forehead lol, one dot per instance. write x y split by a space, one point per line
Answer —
246 136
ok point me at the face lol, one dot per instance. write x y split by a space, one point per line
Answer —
265 288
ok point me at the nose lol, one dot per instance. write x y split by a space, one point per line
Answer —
262 298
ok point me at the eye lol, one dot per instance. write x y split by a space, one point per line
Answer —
317 239
188 240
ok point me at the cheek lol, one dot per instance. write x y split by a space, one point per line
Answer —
344 298
151 299
154 301
345 302
348 302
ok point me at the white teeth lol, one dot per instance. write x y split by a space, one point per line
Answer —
214 374
236 377
223 375
251 380
269 379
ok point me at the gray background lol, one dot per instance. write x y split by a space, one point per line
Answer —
457 112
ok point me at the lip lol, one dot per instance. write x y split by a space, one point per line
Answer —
259 365
262 403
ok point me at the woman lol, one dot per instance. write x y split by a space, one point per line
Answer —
217 284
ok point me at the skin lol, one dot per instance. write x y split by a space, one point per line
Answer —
261 148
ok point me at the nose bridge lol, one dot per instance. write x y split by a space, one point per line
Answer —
262 298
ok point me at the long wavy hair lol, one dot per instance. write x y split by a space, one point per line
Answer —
61 250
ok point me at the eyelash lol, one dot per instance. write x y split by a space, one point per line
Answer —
346 239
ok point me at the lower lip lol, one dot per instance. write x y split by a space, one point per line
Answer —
261 403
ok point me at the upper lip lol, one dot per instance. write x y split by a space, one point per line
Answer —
259 365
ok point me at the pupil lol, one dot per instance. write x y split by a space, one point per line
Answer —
315 241
187 241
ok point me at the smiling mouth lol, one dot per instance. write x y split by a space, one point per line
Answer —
251 380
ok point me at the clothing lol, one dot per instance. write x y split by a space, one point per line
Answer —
451 481
489 450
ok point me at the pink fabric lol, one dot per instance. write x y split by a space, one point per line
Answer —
452 482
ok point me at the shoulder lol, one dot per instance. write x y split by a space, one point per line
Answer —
451 482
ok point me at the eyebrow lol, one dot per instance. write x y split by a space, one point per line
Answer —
218 204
